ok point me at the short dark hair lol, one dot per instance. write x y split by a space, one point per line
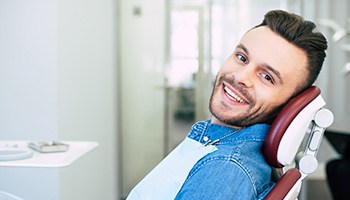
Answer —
301 33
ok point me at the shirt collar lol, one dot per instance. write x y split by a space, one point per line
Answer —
205 130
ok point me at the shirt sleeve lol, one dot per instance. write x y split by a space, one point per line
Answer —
217 179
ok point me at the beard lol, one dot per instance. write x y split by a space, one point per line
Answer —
252 115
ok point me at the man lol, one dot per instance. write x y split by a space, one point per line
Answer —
221 158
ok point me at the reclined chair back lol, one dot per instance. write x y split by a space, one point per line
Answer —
293 141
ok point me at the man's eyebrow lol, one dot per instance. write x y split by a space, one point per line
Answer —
268 67
241 46
273 70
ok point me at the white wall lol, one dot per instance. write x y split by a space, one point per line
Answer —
58 81
142 91
28 69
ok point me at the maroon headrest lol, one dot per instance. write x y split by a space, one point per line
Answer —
283 120
283 186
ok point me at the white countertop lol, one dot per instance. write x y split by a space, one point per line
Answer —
58 159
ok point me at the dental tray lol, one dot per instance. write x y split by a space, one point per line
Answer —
49 146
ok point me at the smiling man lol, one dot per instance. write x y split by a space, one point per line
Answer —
221 158
264 71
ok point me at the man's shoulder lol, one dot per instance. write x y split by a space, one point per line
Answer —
235 169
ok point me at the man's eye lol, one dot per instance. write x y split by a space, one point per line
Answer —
267 77
241 58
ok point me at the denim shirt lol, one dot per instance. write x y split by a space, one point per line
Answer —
237 170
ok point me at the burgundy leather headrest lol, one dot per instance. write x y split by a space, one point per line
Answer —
284 185
283 120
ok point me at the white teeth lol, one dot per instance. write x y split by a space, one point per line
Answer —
233 95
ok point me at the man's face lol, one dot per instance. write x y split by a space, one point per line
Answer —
261 75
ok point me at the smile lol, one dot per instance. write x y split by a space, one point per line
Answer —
233 96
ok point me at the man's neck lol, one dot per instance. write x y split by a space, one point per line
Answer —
214 120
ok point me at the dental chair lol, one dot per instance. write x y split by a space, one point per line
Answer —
293 141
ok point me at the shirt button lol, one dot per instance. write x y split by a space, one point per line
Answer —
205 138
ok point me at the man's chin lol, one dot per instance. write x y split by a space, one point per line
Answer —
228 121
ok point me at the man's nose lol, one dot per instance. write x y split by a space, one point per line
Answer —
245 76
